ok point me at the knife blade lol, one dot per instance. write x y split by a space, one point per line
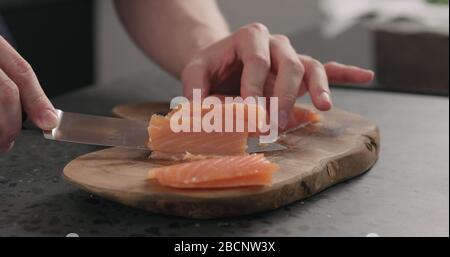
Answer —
116 132
99 130
253 146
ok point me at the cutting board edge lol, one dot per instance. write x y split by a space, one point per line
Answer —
204 208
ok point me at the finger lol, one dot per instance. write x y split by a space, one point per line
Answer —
290 73
195 76
253 48
343 74
6 148
317 82
303 89
10 112
33 98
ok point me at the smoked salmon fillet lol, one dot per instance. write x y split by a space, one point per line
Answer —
247 110
166 144
184 146
221 172
299 117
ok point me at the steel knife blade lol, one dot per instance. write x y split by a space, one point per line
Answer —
117 132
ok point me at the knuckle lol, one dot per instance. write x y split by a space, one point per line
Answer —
9 93
315 64
193 67
22 66
281 38
253 89
253 28
38 101
332 63
294 65
243 31
289 98
258 59
23 72
258 27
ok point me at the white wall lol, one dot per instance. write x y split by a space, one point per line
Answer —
117 56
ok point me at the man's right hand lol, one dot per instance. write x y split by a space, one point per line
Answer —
20 88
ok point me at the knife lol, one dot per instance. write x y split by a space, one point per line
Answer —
107 131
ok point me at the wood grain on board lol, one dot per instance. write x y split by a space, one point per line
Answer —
341 147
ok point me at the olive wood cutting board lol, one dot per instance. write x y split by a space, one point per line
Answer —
343 145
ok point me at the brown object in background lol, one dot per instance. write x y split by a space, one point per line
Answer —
412 62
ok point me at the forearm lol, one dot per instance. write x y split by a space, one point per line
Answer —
172 31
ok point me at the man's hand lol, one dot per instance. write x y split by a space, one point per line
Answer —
252 62
20 88
191 39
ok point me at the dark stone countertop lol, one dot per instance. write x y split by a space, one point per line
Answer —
405 194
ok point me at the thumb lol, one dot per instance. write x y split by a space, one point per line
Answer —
40 111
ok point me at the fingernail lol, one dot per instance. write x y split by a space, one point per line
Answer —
7 148
282 119
325 97
11 146
49 120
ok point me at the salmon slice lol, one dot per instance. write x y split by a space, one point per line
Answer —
185 146
301 117
222 172
166 144
250 124
298 118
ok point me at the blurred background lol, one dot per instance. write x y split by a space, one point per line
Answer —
77 43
